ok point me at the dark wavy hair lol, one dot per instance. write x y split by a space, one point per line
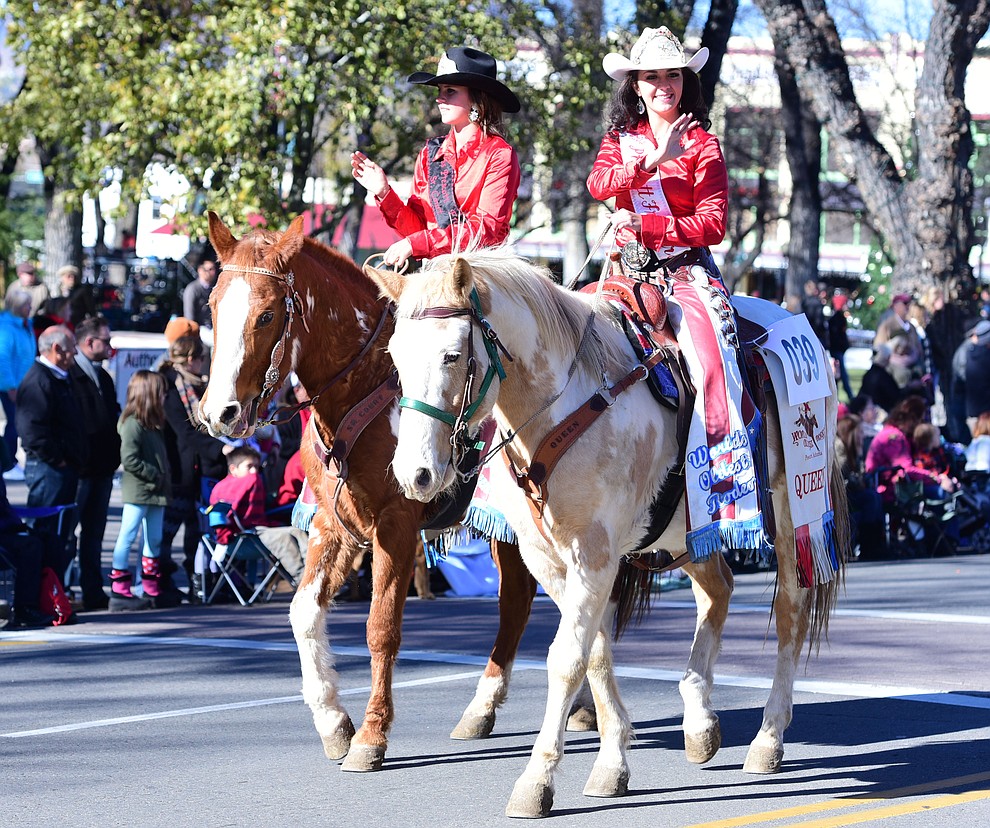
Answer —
621 114
489 112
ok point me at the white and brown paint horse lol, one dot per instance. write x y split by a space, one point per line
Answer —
599 495
284 301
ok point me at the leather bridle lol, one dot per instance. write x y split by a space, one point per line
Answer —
458 422
273 377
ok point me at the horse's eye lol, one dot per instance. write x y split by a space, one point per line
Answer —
451 357
265 319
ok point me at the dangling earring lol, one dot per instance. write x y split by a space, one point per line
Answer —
640 106
475 115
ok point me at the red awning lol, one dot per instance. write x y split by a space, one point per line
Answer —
375 234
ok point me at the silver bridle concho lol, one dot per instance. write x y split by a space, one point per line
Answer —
292 305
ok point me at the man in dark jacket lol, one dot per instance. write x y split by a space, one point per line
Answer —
97 398
977 375
813 307
50 425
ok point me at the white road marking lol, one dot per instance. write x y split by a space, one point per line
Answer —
213 708
851 689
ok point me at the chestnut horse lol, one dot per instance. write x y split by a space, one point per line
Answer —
286 302
597 500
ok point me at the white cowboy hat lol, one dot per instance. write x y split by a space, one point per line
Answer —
655 49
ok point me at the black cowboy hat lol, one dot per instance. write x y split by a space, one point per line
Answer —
464 66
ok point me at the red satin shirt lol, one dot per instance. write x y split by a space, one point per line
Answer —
696 187
486 180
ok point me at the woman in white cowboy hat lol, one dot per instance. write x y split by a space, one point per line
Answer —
465 183
670 185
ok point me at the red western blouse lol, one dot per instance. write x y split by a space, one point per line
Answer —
696 186
485 185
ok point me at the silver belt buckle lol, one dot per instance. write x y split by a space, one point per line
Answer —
636 256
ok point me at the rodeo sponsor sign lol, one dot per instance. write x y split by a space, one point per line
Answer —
796 362
134 351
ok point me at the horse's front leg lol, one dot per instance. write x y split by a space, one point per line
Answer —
712 584
327 564
391 565
610 774
582 717
582 605
792 609
516 590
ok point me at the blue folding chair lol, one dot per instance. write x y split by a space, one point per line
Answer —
245 548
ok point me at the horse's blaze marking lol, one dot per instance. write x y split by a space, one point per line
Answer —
232 312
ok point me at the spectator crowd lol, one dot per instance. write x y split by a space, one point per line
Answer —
62 417
908 478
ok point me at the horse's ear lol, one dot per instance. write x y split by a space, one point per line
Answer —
221 238
389 282
287 246
461 277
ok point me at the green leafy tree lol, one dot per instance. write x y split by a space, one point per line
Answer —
248 101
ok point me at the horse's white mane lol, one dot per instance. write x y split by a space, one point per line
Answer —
561 314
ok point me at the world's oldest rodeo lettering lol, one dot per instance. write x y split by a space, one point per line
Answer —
723 470
719 500
703 454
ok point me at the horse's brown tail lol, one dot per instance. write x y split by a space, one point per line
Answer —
826 595
632 593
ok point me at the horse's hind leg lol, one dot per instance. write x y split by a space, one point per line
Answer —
712 584
392 565
516 590
324 575
792 610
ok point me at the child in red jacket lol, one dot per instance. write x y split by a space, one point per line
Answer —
244 489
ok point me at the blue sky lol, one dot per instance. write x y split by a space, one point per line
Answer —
883 16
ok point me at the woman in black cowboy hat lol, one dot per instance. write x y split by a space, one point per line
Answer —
465 183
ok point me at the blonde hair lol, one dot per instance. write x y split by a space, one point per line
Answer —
982 425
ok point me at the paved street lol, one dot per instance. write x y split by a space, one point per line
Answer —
193 716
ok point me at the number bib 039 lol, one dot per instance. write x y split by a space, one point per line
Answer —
806 366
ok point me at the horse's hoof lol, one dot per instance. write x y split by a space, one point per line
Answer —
582 720
607 782
701 747
364 758
761 759
336 745
473 727
529 801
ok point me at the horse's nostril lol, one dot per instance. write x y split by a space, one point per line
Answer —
230 413
423 478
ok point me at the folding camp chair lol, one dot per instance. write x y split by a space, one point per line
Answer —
244 549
